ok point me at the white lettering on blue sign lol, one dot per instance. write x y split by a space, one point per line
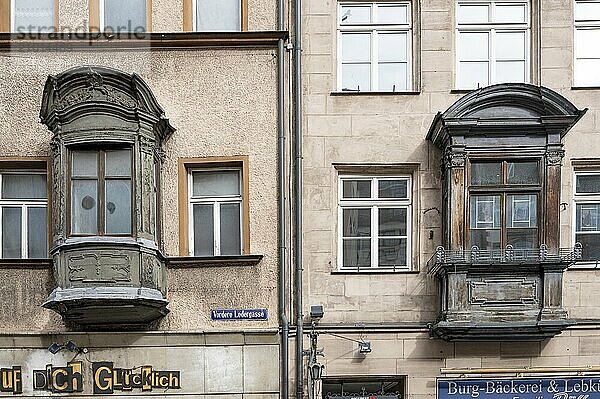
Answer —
239 314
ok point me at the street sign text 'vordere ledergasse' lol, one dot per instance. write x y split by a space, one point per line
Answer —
582 387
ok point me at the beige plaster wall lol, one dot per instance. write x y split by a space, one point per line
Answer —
212 103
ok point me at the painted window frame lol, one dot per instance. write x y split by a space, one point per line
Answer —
374 203
7 16
581 199
26 165
97 16
374 29
493 28
185 168
578 25
189 16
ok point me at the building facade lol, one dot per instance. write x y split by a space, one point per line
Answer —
450 161
139 198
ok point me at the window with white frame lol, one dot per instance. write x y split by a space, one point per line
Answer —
374 229
492 43
124 16
587 37
24 214
35 16
217 15
374 46
587 214
215 209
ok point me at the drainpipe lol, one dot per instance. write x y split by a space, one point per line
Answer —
281 217
297 136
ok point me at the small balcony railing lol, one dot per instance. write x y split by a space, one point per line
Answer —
507 255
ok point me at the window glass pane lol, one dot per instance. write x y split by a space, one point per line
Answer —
473 46
510 45
590 245
118 206
118 163
586 218
587 10
33 16
11 232
485 211
355 15
392 46
37 233
521 211
510 72
356 188
587 184
218 15
510 13
125 15
586 43
486 239
214 184
20 186
393 188
393 77
231 243
204 230
84 207
486 173
392 221
586 72
85 163
472 13
392 252
392 14
357 253
522 238
473 75
356 47
523 173
356 77
356 222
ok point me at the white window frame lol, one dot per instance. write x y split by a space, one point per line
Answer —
579 199
13 17
195 17
492 28
24 204
374 29
216 203
374 203
587 24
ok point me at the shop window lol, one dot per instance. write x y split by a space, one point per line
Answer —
215 15
120 16
492 43
24 213
348 387
28 16
101 192
375 47
374 228
215 211
587 214
587 35
504 204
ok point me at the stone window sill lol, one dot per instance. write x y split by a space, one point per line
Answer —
585 88
43 263
375 93
187 262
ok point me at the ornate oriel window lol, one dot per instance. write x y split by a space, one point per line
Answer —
107 154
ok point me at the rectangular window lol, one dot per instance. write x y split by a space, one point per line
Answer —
375 47
587 208
24 214
364 387
215 15
587 35
34 16
492 43
120 16
214 202
101 192
374 223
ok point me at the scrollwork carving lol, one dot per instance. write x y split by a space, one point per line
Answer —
555 157
454 160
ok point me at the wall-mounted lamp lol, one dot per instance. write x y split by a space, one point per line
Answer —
316 371
364 347
69 345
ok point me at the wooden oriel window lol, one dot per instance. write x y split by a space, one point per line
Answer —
28 16
213 206
215 15
121 16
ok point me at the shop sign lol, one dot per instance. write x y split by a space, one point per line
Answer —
107 379
587 387
11 380
67 379
239 314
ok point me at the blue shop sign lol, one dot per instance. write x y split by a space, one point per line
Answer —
239 314
583 387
